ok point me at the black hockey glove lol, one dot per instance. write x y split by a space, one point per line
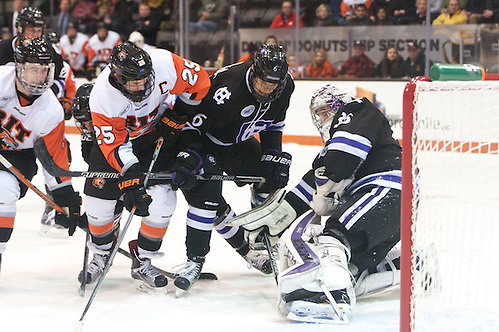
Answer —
134 193
70 201
86 149
275 169
187 165
170 125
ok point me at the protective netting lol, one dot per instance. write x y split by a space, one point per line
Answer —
455 206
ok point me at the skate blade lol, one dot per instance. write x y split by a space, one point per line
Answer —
303 311
145 288
180 292
378 292
53 232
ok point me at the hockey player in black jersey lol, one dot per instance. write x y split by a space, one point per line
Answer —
355 181
244 100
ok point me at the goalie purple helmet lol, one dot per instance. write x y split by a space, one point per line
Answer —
324 105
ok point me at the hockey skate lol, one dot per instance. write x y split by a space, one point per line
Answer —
142 268
49 228
188 274
259 259
95 267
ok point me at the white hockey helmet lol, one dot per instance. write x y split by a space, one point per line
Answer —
137 38
324 105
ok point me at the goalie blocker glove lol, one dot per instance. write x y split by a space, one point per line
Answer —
187 165
275 169
70 201
133 191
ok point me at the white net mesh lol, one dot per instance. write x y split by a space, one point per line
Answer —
455 208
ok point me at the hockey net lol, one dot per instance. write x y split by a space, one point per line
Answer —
450 206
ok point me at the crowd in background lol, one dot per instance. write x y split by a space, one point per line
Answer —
143 19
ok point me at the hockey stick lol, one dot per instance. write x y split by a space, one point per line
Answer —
83 284
273 261
30 185
157 149
53 169
172 275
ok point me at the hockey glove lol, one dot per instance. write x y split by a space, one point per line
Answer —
66 104
275 214
328 193
186 166
170 125
275 169
134 193
70 201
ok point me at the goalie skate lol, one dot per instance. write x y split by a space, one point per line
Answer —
316 308
259 260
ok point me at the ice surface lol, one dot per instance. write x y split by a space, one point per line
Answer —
39 287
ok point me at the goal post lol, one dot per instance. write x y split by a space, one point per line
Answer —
450 206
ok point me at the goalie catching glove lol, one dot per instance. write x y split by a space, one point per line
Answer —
275 169
327 193
70 201
133 191
275 214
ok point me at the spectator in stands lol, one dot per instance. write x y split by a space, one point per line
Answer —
320 66
85 11
287 17
453 15
323 17
359 16
59 22
211 14
474 10
359 64
491 12
381 17
74 49
420 17
390 64
119 18
335 6
308 11
414 64
103 8
147 24
402 11
6 33
348 6
295 71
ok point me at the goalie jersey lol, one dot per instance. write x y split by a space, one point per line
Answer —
230 114
361 146
23 121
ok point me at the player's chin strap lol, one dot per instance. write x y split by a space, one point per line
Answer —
305 259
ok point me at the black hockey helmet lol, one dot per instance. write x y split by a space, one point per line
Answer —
30 17
131 63
35 66
270 65
81 107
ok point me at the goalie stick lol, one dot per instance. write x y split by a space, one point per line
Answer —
53 169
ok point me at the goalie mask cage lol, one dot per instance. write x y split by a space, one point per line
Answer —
450 206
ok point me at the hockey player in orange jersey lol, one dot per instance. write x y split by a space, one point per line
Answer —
130 108
29 110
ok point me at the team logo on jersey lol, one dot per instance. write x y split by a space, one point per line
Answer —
221 95
98 183
343 119
7 142
247 111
